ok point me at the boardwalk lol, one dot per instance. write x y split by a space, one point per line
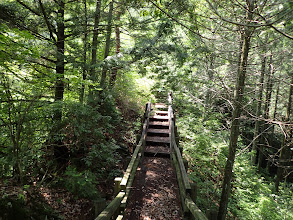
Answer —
155 193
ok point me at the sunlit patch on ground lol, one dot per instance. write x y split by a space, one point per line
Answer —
155 192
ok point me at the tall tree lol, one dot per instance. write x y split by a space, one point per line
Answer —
237 103
258 110
285 151
265 126
107 46
113 75
92 69
85 43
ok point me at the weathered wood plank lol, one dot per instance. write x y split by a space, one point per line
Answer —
159 123
130 168
157 139
158 112
182 191
130 181
159 117
117 186
195 211
182 168
158 131
111 208
160 105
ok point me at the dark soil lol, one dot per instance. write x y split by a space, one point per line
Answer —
155 193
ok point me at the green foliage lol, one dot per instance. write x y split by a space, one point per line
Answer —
253 195
205 148
82 184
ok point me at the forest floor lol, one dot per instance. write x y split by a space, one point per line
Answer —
47 202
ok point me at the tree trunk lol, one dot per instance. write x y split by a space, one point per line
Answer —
285 153
118 45
234 133
265 127
60 151
210 72
258 111
59 89
92 71
107 47
84 68
272 132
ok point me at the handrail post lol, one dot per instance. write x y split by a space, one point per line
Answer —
99 206
117 187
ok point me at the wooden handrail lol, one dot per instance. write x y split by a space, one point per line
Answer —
110 210
182 178
137 149
175 148
128 177
195 211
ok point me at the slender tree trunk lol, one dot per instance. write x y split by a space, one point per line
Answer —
59 89
276 101
285 153
234 133
107 47
276 107
84 68
118 45
210 72
92 71
258 111
272 133
265 138
60 151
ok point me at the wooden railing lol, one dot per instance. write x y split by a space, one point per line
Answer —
187 190
124 184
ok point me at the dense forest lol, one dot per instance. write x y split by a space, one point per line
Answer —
75 77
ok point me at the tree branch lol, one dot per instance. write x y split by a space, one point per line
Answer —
168 15
29 8
51 31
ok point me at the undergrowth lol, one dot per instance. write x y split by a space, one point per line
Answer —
205 143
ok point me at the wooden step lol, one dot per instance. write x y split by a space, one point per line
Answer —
160 105
159 123
157 139
158 131
158 118
157 151
161 113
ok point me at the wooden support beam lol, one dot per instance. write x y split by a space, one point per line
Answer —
195 211
130 168
111 208
99 206
129 184
117 186
182 169
193 193
138 137
182 190
211 214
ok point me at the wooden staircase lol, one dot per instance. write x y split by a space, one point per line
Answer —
155 192
158 132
